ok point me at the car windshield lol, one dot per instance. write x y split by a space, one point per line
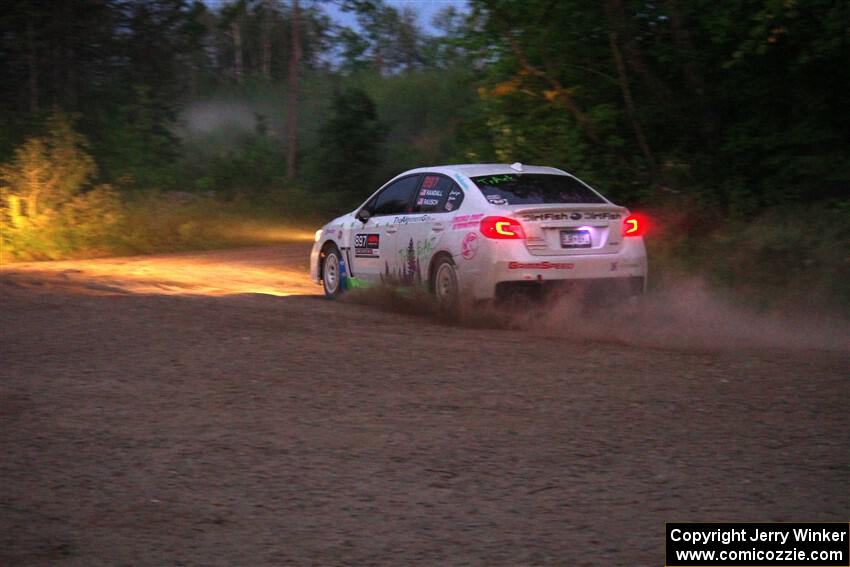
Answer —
534 189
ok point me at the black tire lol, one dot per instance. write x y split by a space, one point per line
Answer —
332 272
444 282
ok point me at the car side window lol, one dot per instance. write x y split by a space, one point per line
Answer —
437 194
395 198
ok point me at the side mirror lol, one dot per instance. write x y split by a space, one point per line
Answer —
363 215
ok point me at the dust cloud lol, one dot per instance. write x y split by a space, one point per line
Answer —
687 314
208 116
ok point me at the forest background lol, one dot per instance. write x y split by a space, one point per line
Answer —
133 126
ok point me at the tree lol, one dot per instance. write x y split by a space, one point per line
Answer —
48 205
292 92
349 146
48 171
391 40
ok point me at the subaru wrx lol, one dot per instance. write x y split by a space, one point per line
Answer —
479 230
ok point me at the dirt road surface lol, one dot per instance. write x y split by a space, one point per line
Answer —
170 410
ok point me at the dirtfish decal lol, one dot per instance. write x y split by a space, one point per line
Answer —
570 216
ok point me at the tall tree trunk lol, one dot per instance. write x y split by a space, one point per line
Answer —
70 55
292 92
236 32
634 56
32 61
266 41
630 104
693 76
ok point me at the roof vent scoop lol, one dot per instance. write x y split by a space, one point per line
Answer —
516 166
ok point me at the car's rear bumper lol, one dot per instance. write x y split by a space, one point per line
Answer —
597 289
514 265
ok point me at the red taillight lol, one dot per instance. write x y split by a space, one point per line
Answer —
501 228
634 225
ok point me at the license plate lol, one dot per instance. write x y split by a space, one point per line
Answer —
575 239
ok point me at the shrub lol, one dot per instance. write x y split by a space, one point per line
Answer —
48 206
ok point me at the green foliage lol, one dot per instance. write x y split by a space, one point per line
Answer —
48 207
157 222
349 146
727 118
746 96
794 256
138 149
246 164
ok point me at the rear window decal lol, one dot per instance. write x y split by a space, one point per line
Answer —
430 181
535 189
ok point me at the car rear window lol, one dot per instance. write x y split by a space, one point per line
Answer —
534 189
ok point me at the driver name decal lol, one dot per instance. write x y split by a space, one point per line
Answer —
367 245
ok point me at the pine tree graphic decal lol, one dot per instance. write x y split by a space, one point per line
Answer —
410 271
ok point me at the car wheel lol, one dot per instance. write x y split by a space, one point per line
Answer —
444 282
332 273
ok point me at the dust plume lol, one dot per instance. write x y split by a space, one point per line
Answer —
205 117
683 315
689 314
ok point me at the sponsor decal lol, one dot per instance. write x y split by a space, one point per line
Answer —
496 200
469 246
460 180
367 245
534 217
496 179
430 193
454 199
430 181
411 219
540 265
461 222
427 202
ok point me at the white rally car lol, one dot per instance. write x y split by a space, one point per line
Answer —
477 231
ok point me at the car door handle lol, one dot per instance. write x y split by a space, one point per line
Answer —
437 227
391 229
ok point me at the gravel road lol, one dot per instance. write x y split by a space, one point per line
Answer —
169 410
